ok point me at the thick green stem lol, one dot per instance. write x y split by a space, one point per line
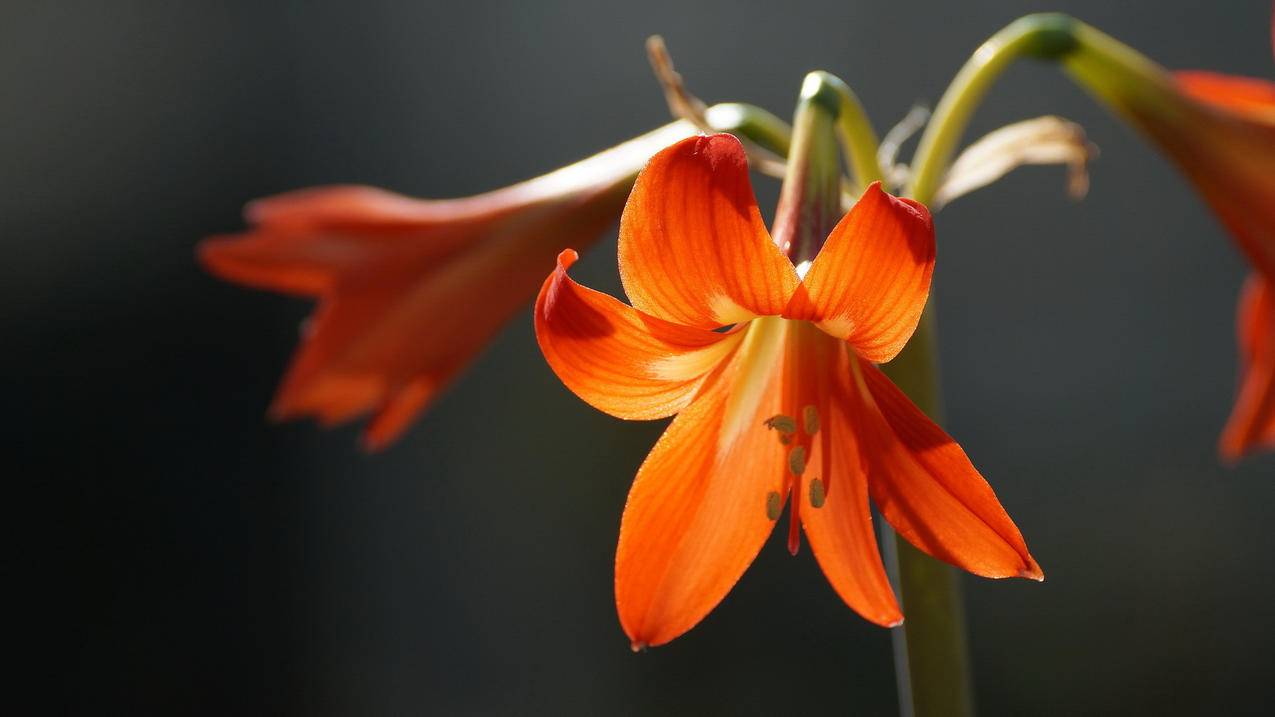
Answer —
853 128
930 653
810 199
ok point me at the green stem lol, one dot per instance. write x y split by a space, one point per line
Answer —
854 129
810 198
752 122
1124 79
1044 36
930 653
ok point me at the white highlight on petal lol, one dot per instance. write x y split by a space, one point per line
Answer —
693 364
837 326
758 359
726 311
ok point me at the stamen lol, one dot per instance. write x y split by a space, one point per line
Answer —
774 504
786 425
817 494
797 460
810 416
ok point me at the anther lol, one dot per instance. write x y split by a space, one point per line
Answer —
786 425
774 504
817 493
810 419
797 460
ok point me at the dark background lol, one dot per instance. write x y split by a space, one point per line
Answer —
193 559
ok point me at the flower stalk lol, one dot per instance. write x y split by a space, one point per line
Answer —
1042 36
931 656
810 200
931 652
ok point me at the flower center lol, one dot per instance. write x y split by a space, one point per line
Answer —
808 362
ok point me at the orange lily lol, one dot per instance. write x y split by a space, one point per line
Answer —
1220 129
785 405
411 290
1252 422
1252 102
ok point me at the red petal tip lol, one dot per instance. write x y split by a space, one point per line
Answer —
638 646
566 258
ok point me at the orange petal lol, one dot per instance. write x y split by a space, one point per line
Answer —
926 487
1248 96
870 281
1252 422
391 333
693 248
840 533
696 514
308 241
396 415
618 359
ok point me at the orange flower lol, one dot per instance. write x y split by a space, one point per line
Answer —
411 290
784 405
1252 422
1250 216
1220 129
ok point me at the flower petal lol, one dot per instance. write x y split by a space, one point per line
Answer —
618 359
840 532
870 281
309 241
1252 422
693 248
388 334
1249 96
697 512
926 487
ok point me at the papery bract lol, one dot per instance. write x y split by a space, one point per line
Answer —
785 405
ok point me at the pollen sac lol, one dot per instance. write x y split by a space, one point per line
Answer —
786 425
817 493
774 504
797 460
810 420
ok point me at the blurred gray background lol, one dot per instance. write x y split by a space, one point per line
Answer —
194 559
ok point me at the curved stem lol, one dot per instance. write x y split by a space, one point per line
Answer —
1044 36
752 122
810 198
854 129
931 654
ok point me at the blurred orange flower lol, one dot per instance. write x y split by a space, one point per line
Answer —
1220 129
770 370
1252 422
1250 215
411 290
